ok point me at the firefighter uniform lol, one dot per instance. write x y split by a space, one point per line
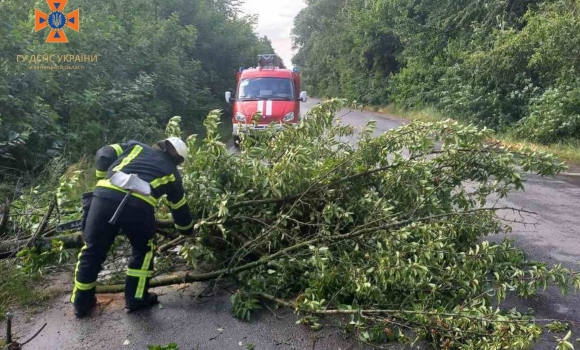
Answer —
137 221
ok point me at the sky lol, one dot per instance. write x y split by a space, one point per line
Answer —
275 20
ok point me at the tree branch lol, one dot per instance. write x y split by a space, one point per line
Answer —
189 278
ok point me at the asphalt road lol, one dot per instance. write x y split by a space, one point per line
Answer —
207 323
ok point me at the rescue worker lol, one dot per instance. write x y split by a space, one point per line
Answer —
157 165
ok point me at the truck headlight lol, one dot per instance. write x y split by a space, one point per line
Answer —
289 117
240 117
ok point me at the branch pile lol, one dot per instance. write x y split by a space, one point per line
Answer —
387 229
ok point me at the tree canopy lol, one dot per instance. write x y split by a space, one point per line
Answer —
155 60
500 63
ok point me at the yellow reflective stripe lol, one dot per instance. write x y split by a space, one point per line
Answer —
162 181
179 204
73 296
107 184
139 273
85 286
118 149
134 153
100 174
145 267
183 228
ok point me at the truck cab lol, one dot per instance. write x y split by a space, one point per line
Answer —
264 95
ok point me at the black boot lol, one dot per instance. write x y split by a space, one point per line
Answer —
149 300
83 302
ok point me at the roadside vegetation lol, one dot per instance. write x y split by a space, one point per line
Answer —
567 151
509 65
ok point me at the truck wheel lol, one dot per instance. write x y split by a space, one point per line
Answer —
236 141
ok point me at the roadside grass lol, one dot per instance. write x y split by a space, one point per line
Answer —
567 152
423 115
20 290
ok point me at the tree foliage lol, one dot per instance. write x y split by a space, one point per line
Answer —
155 60
393 225
503 63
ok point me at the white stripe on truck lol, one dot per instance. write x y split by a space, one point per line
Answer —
261 107
269 108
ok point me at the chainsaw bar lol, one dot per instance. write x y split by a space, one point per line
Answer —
69 226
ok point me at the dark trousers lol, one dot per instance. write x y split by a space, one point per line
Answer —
137 222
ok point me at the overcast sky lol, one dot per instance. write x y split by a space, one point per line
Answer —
275 20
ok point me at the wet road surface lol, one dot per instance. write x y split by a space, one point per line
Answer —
203 324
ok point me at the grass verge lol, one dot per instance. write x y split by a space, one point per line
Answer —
568 152
19 290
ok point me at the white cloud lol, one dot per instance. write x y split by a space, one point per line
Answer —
275 20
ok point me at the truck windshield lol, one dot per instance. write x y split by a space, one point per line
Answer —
266 88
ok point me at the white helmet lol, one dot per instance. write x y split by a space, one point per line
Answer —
179 146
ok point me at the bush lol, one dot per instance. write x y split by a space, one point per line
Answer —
554 116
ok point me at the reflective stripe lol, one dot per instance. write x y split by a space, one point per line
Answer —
100 174
118 149
162 181
145 268
73 296
183 228
179 204
139 273
107 184
85 286
134 153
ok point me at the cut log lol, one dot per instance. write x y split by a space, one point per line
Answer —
9 248
73 240
189 278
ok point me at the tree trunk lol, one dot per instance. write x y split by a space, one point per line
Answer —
9 248
73 240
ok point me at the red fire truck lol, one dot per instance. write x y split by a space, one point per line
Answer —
266 94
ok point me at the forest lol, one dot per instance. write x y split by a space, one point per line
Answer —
511 65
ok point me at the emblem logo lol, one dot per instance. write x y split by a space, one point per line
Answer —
57 20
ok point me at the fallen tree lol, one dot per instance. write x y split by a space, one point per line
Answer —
394 222
12 247
389 231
